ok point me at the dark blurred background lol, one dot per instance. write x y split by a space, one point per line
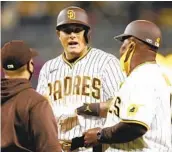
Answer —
35 23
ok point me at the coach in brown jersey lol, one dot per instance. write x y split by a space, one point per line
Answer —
28 123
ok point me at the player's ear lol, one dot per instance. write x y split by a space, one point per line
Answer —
89 35
58 33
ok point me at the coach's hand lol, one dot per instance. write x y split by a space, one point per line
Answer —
90 137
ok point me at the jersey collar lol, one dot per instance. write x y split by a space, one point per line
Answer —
149 62
81 57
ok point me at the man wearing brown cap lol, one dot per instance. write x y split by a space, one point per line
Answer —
142 104
27 120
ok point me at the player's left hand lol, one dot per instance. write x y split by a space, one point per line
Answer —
90 137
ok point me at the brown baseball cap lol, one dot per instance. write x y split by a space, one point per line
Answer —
16 54
143 30
73 15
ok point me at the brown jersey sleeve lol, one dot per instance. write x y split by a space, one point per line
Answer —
44 128
122 133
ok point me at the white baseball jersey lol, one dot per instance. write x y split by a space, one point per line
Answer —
93 78
171 112
168 76
144 98
171 118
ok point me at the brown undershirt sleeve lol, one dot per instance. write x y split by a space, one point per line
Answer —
122 133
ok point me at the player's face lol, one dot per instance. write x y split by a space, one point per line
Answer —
72 40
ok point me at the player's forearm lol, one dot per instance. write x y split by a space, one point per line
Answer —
122 133
94 109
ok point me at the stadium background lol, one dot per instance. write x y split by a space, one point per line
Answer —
35 23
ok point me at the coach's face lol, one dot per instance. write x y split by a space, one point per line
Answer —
126 46
72 40
126 53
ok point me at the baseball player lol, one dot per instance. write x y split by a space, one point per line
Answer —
143 101
27 122
80 75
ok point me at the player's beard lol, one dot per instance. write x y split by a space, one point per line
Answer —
125 59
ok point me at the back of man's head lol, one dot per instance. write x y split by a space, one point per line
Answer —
16 57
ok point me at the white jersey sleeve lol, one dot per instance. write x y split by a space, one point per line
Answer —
112 78
144 99
42 86
140 98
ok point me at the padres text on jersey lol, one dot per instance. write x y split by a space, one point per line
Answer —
93 78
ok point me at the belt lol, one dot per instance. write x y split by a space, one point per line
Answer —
65 145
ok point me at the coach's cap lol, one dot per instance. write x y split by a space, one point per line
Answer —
143 30
16 54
